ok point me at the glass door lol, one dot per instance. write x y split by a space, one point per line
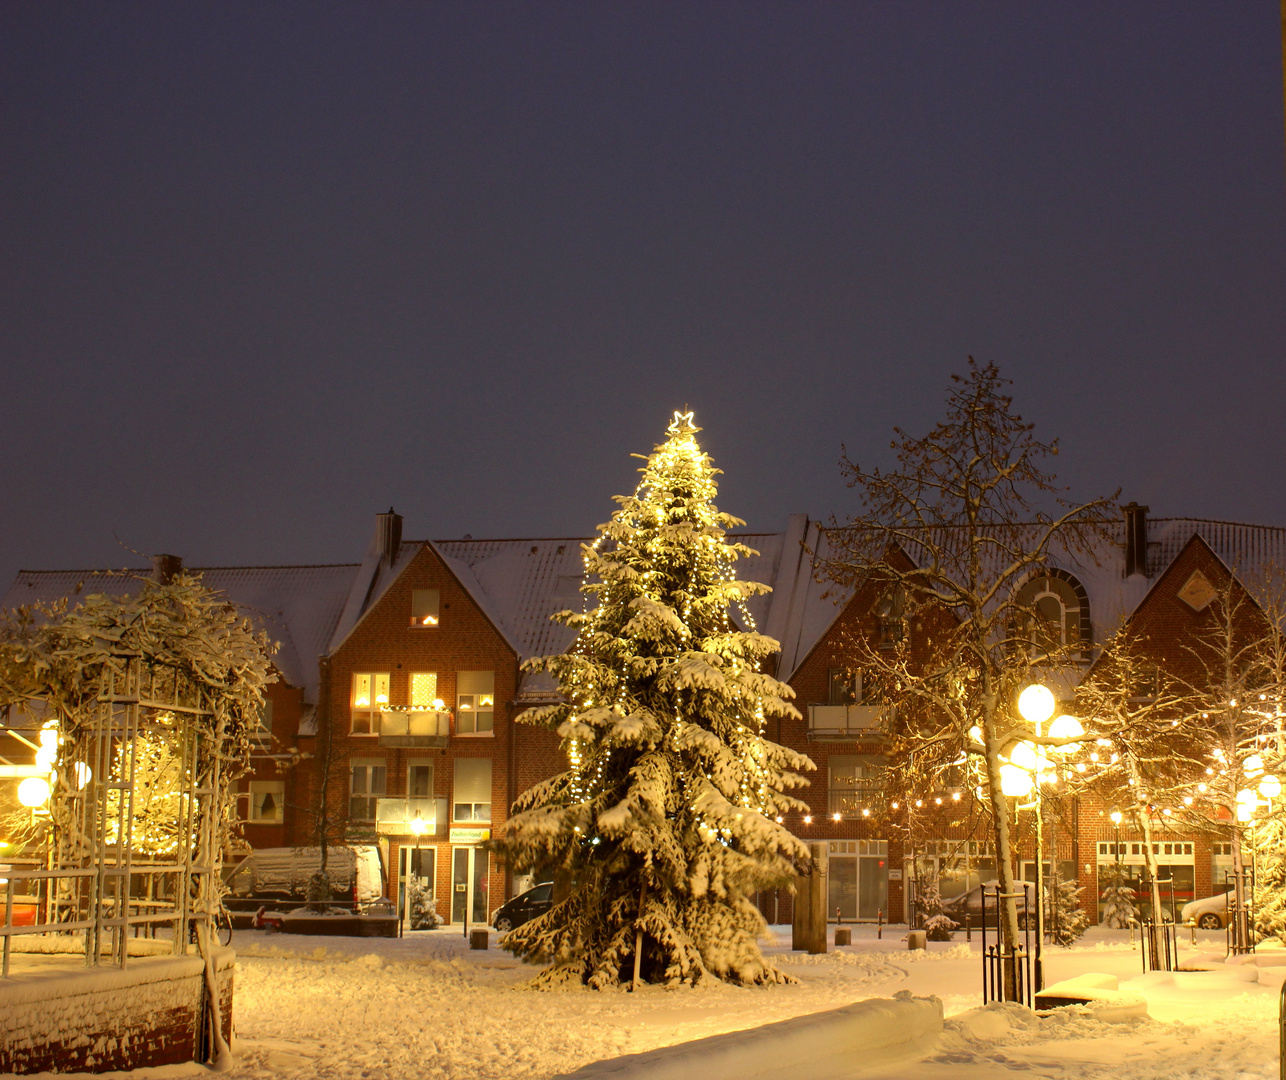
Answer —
415 865
469 879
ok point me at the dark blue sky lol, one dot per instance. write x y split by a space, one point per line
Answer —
269 267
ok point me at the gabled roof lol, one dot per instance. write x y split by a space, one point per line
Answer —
520 583
297 606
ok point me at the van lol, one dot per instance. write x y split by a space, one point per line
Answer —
277 879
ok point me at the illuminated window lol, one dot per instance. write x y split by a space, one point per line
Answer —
267 801
367 780
370 695
424 607
424 689
475 702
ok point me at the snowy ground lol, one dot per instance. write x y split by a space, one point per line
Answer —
427 1006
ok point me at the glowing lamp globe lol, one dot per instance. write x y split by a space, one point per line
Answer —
418 827
1270 787
1014 781
83 774
1036 704
1023 755
33 791
1254 765
1116 816
975 733
1066 727
1245 811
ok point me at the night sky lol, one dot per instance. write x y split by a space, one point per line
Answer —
268 268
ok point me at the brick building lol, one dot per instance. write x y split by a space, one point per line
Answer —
401 682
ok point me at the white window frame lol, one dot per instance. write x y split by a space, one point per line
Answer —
475 704
257 790
474 810
365 701
371 791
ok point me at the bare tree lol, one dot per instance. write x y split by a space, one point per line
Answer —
954 532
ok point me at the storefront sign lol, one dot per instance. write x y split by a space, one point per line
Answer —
470 836
895 875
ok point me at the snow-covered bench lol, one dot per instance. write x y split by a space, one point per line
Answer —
1097 992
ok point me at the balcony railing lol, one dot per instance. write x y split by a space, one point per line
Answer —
848 722
854 801
395 816
414 728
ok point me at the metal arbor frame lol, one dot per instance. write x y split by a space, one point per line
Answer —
100 877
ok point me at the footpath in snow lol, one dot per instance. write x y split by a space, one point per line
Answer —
426 1006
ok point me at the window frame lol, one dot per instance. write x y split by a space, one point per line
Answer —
368 714
276 788
473 709
426 609
370 794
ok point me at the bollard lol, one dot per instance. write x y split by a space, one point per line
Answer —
1281 1034
917 939
479 939
843 936
879 923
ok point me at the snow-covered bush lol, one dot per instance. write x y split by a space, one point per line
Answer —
1117 896
929 900
424 915
667 820
1065 921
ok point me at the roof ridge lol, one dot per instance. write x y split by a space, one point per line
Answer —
1220 521
148 569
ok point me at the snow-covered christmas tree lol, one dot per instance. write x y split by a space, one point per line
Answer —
929 900
669 816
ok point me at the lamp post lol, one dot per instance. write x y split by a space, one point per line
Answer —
418 828
1036 704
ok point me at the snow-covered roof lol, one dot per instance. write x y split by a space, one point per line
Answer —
297 606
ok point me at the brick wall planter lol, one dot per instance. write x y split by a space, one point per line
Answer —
60 1016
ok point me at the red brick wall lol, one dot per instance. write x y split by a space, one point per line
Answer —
464 640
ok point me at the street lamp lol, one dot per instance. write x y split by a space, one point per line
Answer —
418 828
1036 704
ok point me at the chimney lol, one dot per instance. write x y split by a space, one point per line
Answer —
1136 539
388 536
165 568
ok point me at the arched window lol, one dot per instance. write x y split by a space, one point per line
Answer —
1056 611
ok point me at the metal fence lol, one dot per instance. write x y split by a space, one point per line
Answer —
130 835
1007 973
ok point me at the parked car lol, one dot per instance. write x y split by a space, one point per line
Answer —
524 907
966 909
276 879
1212 913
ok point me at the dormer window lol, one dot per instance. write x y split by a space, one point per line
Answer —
1056 612
424 608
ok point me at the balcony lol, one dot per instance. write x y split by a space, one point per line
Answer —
415 728
394 816
847 723
856 801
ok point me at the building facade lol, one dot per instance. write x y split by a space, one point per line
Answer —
395 718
